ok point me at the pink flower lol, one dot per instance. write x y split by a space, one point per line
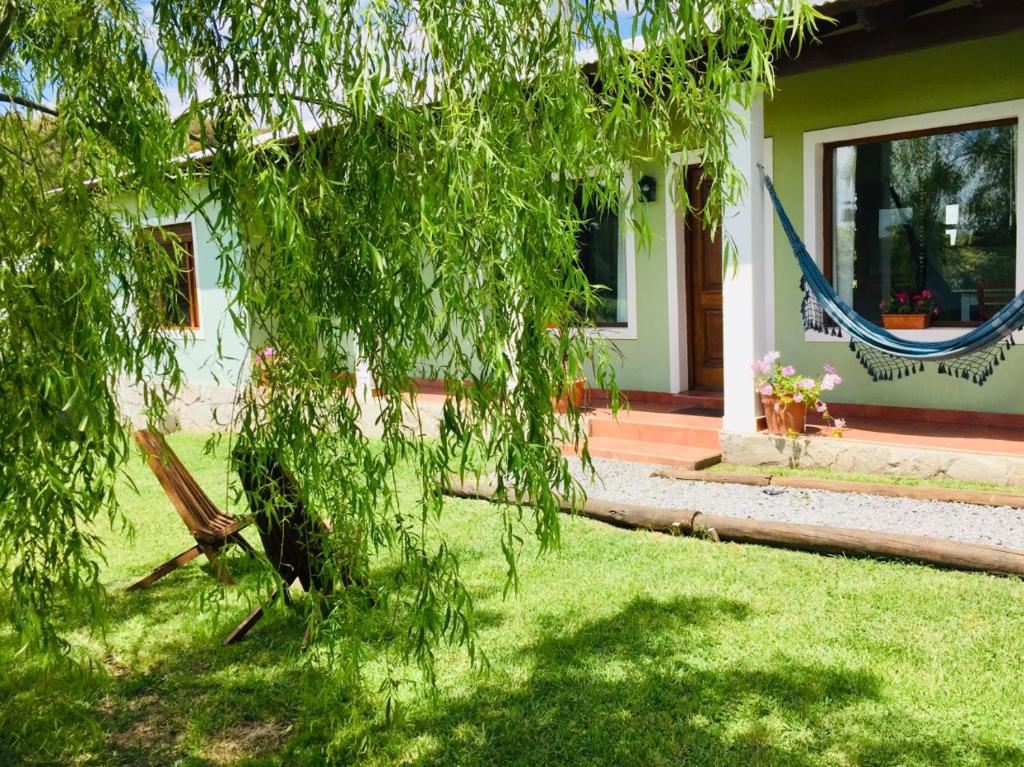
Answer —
770 357
820 406
766 390
267 353
761 367
935 311
902 297
926 293
798 397
840 423
884 304
789 370
805 383
828 367
830 381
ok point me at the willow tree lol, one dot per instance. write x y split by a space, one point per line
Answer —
388 176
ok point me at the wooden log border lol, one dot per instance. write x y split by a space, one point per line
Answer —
820 539
977 497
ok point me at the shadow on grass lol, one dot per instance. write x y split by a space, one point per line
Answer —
647 685
621 691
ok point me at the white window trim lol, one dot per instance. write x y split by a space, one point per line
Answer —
196 333
627 241
814 159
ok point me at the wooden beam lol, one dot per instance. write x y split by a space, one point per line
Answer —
916 492
926 30
845 6
820 539
880 17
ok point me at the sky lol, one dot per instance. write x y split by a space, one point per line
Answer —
624 20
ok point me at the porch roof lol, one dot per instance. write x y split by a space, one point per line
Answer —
867 29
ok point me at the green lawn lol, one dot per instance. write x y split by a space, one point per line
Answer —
621 649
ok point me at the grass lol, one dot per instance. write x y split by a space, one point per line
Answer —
881 479
621 649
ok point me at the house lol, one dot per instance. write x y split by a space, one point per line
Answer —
893 141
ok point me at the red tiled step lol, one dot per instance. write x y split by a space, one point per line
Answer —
646 425
692 431
680 456
640 400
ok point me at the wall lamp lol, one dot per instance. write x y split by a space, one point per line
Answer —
648 188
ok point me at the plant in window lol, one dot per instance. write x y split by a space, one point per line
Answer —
906 310
785 394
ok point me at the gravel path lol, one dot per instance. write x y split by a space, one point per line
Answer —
627 482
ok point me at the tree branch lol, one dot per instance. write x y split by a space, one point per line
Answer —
6 22
28 104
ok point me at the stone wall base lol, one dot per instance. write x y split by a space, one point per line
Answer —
859 457
208 407
198 407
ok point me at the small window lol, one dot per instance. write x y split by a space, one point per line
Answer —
928 211
604 263
179 305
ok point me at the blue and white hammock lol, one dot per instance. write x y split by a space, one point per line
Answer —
972 356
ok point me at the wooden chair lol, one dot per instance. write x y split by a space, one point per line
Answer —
211 527
992 295
292 540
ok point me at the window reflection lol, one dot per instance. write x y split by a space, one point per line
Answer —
932 212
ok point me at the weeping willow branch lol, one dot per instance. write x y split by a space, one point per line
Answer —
28 104
427 228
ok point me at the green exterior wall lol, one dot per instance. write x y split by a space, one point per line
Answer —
935 79
217 354
643 363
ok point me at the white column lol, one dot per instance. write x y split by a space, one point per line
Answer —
744 288
364 379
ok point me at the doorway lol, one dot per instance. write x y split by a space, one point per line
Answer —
703 269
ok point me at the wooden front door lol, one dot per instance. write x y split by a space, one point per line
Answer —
704 289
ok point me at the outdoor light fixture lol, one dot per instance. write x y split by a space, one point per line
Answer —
648 188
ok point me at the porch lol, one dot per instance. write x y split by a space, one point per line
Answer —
686 431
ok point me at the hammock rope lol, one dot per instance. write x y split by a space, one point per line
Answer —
972 356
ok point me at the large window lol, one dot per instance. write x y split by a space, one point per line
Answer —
179 304
603 261
929 210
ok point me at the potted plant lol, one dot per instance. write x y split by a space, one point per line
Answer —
573 393
905 311
786 394
266 359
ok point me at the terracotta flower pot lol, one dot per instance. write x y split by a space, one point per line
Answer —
572 396
784 419
906 321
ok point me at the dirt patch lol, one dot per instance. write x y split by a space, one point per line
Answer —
247 739
148 729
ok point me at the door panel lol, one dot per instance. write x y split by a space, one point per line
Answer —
704 289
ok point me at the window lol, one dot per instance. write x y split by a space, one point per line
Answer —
603 261
179 305
931 210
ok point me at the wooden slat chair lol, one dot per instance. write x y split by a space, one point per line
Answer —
211 527
292 540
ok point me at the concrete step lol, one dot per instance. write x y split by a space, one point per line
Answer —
680 456
694 431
